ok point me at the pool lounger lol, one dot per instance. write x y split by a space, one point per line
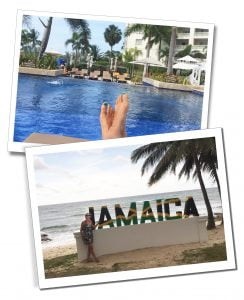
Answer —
51 139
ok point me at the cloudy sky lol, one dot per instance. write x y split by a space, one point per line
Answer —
98 174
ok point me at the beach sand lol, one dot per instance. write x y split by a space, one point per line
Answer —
143 258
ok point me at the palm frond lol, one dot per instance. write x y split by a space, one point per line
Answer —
143 151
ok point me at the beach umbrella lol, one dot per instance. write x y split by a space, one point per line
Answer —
185 66
148 61
54 53
188 59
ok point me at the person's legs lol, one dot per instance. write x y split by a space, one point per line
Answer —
113 120
93 254
88 253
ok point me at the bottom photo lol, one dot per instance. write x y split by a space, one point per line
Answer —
130 208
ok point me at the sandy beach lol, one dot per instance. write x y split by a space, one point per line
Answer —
158 256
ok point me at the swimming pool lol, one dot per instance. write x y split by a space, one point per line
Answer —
71 107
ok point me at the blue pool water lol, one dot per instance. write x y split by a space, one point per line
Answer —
71 107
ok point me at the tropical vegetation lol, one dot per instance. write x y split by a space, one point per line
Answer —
33 50
112 36
186 157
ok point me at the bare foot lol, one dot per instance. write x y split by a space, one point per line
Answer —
113 120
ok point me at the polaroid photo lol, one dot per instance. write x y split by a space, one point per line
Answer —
69 68
132 208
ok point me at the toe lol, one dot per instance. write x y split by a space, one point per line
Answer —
103 112
119 99
125 98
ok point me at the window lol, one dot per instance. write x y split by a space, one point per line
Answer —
200 42
138 42
183 30
201 30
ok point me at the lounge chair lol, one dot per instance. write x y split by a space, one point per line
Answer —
107 76
94 75
84 72
74 70
121 79
78 74
50 139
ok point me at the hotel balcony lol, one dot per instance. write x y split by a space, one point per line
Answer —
199 34
183 35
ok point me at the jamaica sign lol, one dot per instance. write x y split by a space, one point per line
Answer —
133 217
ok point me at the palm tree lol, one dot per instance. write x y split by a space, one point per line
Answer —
76 42
131 54
46 35
95 52
208 160
160 34
112 36
148 31
184 52
147 34
82 27
153 34
33 36
75 25
190 155
25 38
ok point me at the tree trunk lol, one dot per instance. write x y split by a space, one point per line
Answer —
171 51
111 52
76 56
217 181
148 48
45 38
211 223
159 50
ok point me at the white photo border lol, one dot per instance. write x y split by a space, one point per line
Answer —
229 264
20 146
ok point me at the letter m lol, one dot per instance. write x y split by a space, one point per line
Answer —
120 216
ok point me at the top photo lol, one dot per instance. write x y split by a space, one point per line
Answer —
85 78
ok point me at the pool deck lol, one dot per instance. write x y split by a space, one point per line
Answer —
145 81
42 72
173 86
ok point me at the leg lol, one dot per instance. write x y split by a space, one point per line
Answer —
113 121
88 253
93 254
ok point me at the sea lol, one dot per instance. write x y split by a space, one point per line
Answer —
60 221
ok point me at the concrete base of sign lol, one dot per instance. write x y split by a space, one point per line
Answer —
131 237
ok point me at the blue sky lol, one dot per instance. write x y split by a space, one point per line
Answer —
61 32
85 175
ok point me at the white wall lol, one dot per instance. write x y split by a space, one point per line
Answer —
131 237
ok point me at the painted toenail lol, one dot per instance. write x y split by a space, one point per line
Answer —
105 103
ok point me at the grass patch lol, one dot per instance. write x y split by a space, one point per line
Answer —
61 261
209 254
68 265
